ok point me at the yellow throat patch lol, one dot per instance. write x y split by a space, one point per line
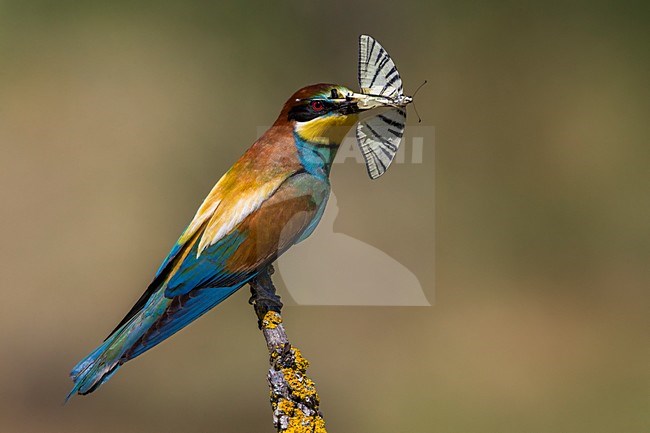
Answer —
327 130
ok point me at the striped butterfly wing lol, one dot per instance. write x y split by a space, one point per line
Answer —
379 138
377 72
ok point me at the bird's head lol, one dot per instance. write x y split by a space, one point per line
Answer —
324 113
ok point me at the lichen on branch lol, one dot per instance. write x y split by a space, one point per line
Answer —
293 394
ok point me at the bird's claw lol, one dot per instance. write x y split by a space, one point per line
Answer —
263 295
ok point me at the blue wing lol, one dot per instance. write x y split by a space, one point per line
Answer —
188 284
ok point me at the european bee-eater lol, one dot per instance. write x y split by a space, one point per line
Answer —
270 199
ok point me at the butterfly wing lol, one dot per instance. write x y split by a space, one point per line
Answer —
377 72
379 138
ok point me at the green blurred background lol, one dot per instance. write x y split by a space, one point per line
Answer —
116 118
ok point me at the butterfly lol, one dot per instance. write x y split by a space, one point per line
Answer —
379 136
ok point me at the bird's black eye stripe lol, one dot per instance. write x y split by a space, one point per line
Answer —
309 109
335 94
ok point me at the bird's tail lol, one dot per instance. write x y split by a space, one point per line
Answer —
100 365
139 334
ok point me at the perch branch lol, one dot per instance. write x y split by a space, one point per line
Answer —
294 398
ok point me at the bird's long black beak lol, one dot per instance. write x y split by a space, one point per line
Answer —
349 107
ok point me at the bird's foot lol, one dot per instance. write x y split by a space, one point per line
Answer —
263 295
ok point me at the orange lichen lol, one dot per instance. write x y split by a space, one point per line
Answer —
293 395
271 320
300 362
286 406
306 424
301 387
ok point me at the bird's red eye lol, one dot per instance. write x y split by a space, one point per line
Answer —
317 105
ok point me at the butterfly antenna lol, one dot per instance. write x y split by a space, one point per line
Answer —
414 107
419 87
416 113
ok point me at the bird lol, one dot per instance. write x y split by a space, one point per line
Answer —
271 198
